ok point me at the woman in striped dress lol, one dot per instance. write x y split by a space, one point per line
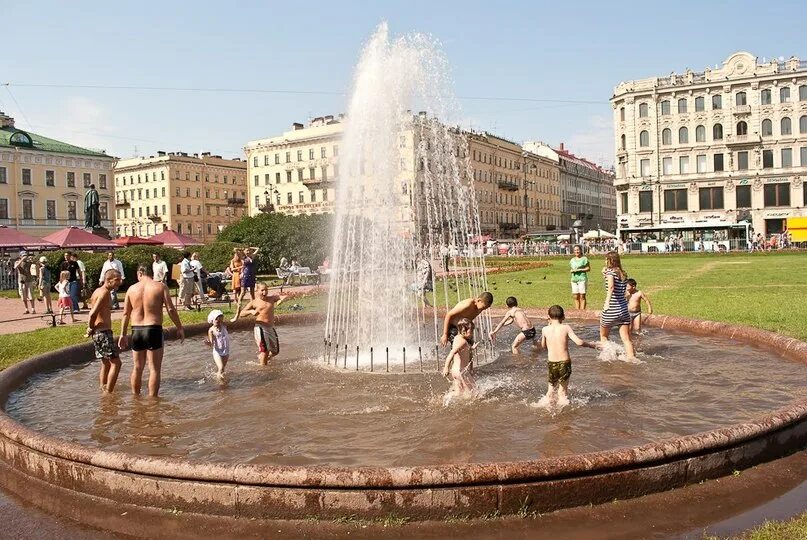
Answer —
615 309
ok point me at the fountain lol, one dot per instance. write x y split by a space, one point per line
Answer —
404 200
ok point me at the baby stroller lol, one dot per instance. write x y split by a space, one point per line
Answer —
215 283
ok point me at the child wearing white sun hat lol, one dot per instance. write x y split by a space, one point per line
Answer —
219 339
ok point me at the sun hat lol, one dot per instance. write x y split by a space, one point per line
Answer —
23 253
213 315
43 259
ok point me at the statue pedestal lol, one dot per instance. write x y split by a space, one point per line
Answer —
100 231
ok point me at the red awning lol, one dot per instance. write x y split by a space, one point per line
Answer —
136 241
73 237
480 239
175 240
13 239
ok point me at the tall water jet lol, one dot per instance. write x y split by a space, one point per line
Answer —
404 197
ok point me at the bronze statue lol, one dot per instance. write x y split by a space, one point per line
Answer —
92 214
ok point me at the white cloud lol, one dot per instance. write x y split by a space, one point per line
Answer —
596 143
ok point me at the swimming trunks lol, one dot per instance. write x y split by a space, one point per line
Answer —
559 371
266 337
529 333
147 338
105 345
634 314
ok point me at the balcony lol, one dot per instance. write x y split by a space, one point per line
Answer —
236 201
317 181
122 204
155 218
743 140
508 185
508 226
742 110
267 208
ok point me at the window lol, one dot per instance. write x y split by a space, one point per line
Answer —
743 194
765 97
646 201
717 102
27 209
179 227
3 176
682 106
787 157
665 108
26 177
87 179
700 134
785 126
644 167
299 155
767 128
675 200
666 165
277 178
784 94
621 118
644 138
50 179
701 163
740 99
288 197
313 195
255 161
742 161
288 176
642 110
324 194
322 152
3 208
767 159
288 157
299 175
717 132
324 173
622 141
803 95
803 124
803 158
312 173
683 164
335 150
179 209
711 198
683 135
163 192
266 159
102 181
50 209
666 136
623 199
103 209
257 200
266 179
777 194
700 106
256 179
742 128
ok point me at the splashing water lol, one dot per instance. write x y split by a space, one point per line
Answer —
404 205
614 352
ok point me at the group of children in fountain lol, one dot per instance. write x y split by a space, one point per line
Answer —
623 307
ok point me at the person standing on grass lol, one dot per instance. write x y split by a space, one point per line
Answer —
45 283
111 263
99 328
615 308
24 281
580 268
143 308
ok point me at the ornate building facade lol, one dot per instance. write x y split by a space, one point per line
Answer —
704 154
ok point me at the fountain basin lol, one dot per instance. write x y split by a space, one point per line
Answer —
419 492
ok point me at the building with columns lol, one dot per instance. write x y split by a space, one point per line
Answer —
709 155
43 181
196 195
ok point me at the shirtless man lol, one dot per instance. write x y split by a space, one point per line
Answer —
516 315
555 338
263 308
467 309
144 309
99 328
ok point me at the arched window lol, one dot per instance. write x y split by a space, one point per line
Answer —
644 139
803 125
767 128
683 135
740 99
785 126
682 105
622 114
666 136
765 96
717 132
700 134
642 110
784 94
803 92
742 128
622 141
665 107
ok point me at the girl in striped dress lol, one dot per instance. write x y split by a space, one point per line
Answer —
615 309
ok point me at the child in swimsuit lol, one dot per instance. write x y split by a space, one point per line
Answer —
555 339
458 362
219 339
516 315
635 298
65 302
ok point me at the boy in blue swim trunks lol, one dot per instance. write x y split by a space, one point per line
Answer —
516 315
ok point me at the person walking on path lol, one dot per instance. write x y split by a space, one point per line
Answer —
25 281
45 283
187 284
111 263
143 308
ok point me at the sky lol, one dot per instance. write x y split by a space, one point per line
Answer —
522 70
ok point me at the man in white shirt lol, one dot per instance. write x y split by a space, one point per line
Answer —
160 268
111 263
197 267
83 285
188 281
